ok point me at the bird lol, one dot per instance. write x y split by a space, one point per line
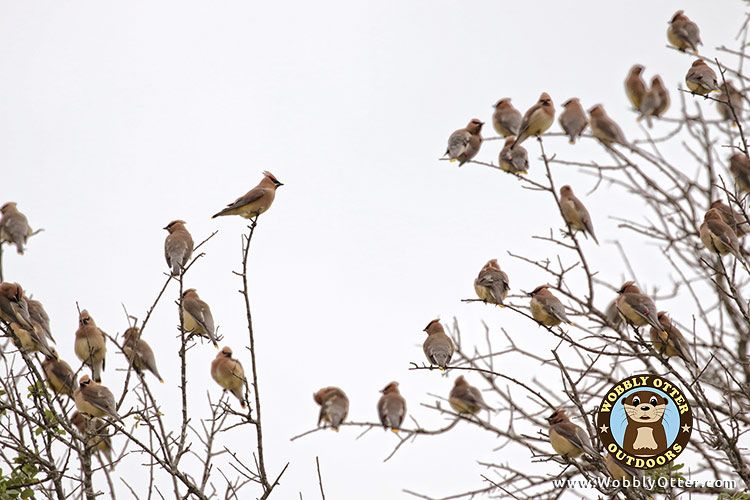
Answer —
178 246
547 309
59 375
94 399
636 308
604 128
575 214
197 317
13 305
334 406
730 99
663 93
618 470
465 398
32 339
718 236
391 407
669 341
98 439
491 284
739 166
567 438
14 226
635 87
650 104
701 79
573 119
91 345
683 33
139 353
513 160
254 202
613 315
506 120
464 143
537 119
39 316
438 347
735 220
228 373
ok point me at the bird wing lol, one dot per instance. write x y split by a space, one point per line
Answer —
201 312
40 316
458 142
102 398
63 372
719 230
254 194
577 436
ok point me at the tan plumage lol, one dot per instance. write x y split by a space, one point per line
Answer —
635 87
636 308
613 316
663 94
334 406
567 438
94 431
491 284
506 120
718 236
254 202
139 353
60 376
178 246
14 226
391 407
619 470
39 316
537 120
32 339
228 373
464 143
547 309
669 341
197 317
604 128
94 399
683 33
575 213
13 305
90 345
730 99
465 398
651 103
513 160
573 119
701 79
438 347
734 219
739 166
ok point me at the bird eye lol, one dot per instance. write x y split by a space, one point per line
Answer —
653 401
636 401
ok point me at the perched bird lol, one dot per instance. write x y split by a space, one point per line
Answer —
739 166
95 431
547 309
701 79
537 119
464 143
669 341
60 376
635 87
567 438
178 247
619 470
197 317
256 201
575 214
573 119
730 99
13 305
506 119
735 220
604 128
663 93
513 160
14 226
39 316
90 345
683 33
636 308
32 339
465 398
438 347
391 407
650 104
228 373
718 236
94 399
613 316
139 353
491 285
334 406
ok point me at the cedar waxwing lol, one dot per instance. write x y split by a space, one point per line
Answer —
506 119
635 87
620 471
573 119
613 316
178 247
32 339
334 406
663 93
701 79
228 373
256 201
464 143
14 226
39 316
491 285
13 305
683 33
391 407
734 219
567 438
139 353
513 160
94 399
465 398
636 308
197 317
718 236
547 309
604 128
729 96
537 119
739 166
669 341
438 347
650 104
98 438
91 345
575 214
60 376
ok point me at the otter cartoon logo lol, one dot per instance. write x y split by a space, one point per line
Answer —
644 421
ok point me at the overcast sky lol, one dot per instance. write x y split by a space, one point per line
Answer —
116 118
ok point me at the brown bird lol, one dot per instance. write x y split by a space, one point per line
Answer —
465 398
604 128
739 166
701 79
139 353
90 345
334 406
718 236
95 432
636 308
60 376
256 201
32 339
635 87
730 99
537 120
567 438
464 143
13 305
178 247
228 373
650 104
513 160
94 399
573 119
491 285
547 309
575 214
735 220
506 119
197 317
438 347
391 407
14 226
613 316
683 33
663 93
39 317
619 470
669 341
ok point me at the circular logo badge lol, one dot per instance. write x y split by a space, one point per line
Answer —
644 421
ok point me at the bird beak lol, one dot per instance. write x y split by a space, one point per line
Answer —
279 184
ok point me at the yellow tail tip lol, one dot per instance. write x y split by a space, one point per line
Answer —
395 431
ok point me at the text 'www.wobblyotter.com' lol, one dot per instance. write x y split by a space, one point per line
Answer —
647 483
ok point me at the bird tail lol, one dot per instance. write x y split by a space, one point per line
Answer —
572 140
19 248
649 122
96 372
176 271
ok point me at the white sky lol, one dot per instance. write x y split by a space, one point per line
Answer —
117 118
